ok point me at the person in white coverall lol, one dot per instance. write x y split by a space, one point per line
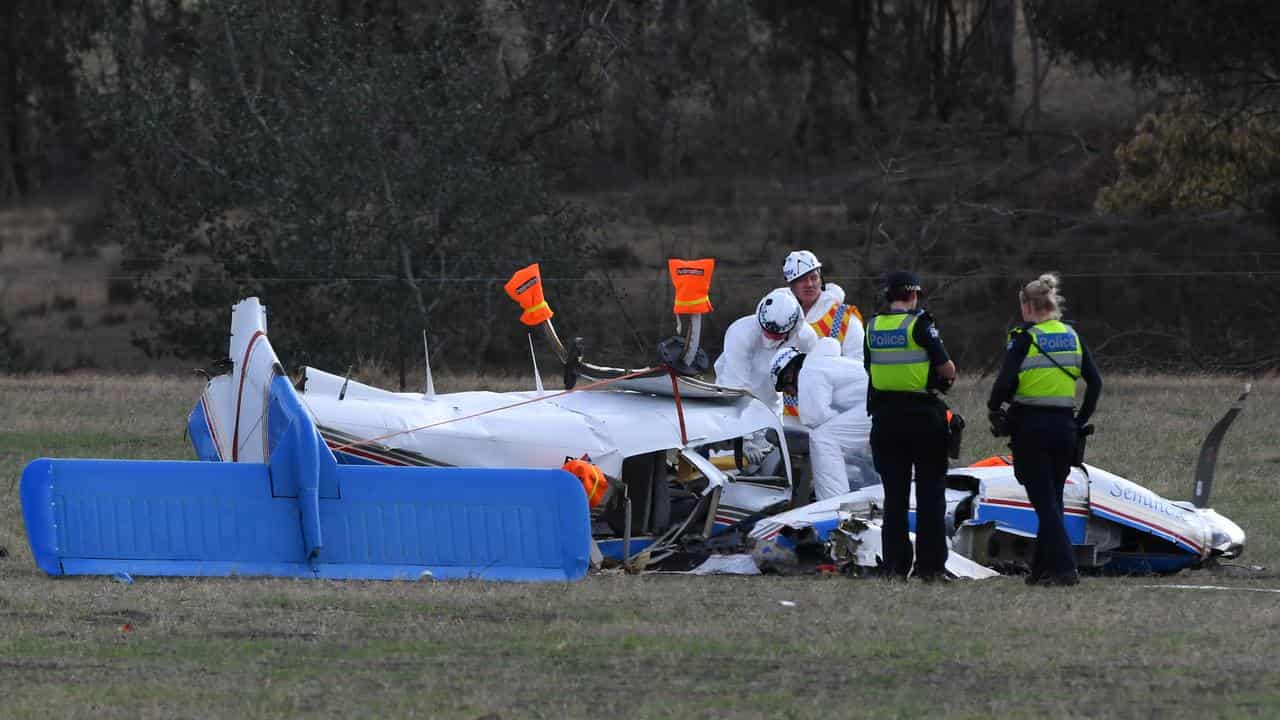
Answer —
751 341
823 303
824 310
832 391
749 346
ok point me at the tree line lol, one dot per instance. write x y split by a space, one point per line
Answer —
363 165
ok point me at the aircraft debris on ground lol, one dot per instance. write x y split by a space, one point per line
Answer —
329 477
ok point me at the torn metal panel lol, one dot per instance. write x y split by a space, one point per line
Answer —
738 564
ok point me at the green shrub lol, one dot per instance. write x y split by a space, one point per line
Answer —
1187 158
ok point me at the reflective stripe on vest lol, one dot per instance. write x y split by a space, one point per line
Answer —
790 405
525 287
898 363
835 323
692 279
1040 381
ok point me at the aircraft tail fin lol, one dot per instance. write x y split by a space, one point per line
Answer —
227 422
1208 459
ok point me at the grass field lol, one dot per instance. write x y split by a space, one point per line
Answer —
647 646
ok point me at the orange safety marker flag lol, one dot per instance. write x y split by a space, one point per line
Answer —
592 478
525 287
692 279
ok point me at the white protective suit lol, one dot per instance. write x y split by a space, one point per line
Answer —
744 363
833 294
833 405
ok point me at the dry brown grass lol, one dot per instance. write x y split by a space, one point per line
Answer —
649 646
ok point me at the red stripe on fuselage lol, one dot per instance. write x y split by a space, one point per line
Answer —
1146 523
367 455
235 436
1028 506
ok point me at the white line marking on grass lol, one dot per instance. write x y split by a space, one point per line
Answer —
1214 587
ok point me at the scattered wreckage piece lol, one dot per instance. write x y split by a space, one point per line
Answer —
297 512
845 532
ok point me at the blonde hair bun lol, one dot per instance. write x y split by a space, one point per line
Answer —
1043 296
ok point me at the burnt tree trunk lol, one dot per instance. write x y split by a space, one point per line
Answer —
13 173
861 19
1002 20
1033 121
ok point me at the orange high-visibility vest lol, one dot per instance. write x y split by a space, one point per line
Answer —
692 279
592 478
525 287
835 323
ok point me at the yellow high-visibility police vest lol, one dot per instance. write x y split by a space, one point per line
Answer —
898 363
1040 381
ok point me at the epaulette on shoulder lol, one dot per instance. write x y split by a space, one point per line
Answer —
1018 331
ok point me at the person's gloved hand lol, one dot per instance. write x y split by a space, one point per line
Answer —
754 451
999 422
939 383
1083 429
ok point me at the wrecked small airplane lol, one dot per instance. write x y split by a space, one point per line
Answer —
666 440
668 443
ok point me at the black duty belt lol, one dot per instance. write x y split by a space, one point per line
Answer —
1019 407
905 397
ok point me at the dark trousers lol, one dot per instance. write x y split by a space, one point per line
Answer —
906 437
1044 443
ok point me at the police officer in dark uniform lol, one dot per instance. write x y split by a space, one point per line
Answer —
906 361
1032 401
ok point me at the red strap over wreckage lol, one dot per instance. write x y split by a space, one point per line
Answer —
595 490
525 287
540 398
692 279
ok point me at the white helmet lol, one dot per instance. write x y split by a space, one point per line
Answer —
778 312
781 360
800 262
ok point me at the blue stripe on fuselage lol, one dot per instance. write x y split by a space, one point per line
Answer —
201 439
